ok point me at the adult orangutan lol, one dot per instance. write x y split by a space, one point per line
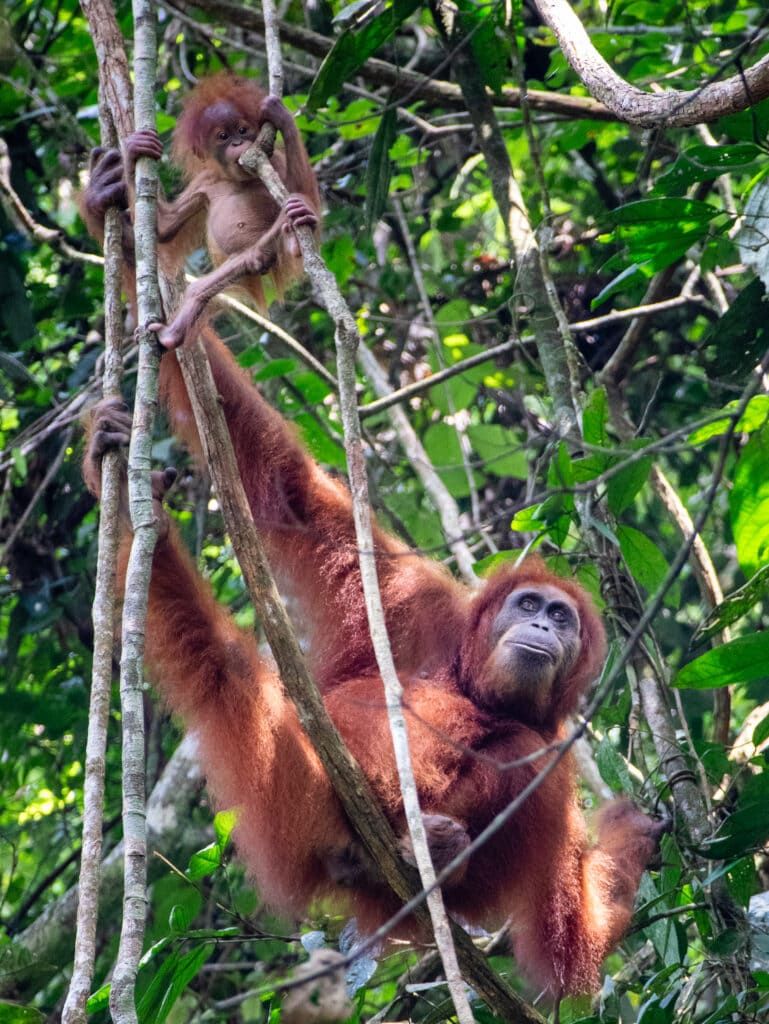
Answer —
247 233
489 677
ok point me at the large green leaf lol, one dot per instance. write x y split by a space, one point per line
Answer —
745 830
643 558
442 446
379 167
353 48
749 503
736 604
659 231
741 335
173 977
502 450
740 661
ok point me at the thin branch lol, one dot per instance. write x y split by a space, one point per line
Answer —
347 342
50 473
670 109
122 992
390 397
647 309
24 220
103 614
439 494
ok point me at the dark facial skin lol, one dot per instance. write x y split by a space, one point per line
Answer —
535 641
229 136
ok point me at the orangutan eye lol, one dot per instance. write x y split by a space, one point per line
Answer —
528 603
222 136
242 130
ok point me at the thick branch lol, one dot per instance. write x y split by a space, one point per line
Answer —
672 109
404 84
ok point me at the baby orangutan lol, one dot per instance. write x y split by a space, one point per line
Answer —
247 233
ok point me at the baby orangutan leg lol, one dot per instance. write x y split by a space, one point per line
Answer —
256 260
351 866
446 839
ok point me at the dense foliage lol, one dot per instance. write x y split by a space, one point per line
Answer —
432 266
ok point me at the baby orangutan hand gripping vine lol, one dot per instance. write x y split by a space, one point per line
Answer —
247 233
489 678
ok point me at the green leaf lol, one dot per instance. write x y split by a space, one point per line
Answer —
613 768
353 48
484 567
99 1000
12 1013
528 520
501 449
735 605
622 488
275 368
204 862
322 447
173 977
761 732
662 933
442 446
702 163
749 503
740 661
643 558
742 832
379 169
560 472
741 336
659 231
668 213
594 417
224 823
755 416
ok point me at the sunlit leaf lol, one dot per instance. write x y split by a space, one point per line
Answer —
749 503
643 558
740 661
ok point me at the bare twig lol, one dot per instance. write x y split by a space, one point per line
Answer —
50 473
647 309
26 222
390 397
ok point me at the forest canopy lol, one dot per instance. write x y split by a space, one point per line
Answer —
548 223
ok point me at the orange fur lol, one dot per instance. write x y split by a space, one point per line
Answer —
569 902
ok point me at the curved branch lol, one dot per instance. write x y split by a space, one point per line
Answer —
634 106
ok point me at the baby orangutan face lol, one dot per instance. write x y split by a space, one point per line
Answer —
535 641
228 135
